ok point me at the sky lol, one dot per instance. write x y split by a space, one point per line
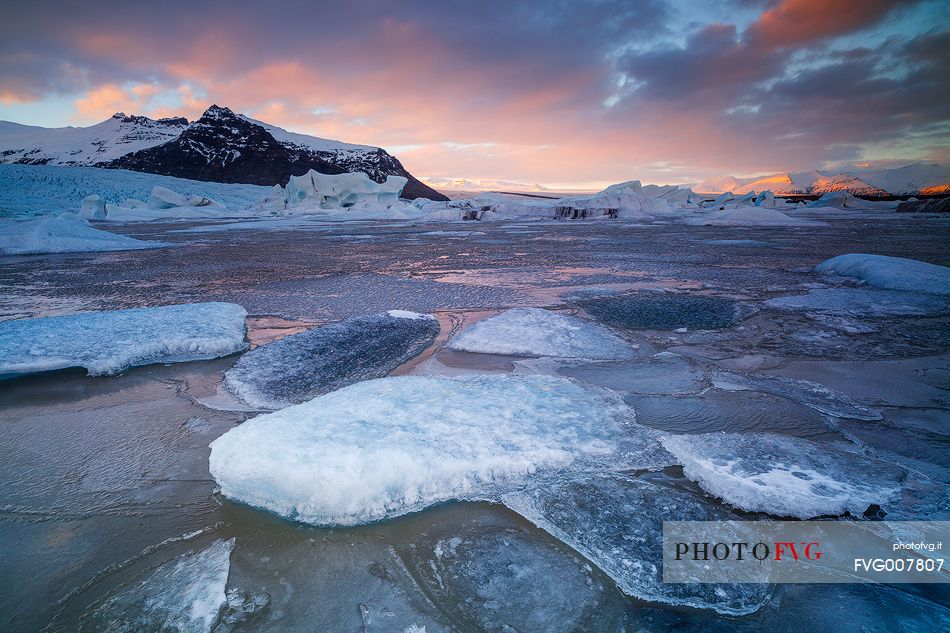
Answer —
566 94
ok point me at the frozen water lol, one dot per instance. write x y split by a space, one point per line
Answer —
63 233
112 341
387 447
890 273
303 366
663 373
863 301
661 311
615 520
537 332
785 476
811 394
502 578
184 595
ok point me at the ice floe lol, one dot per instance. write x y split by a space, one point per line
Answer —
750 216
784 476
382 448
112 341
305 365
663 373
63 233
615 521
663 311
537 332
863 301
890 273
184 595
811 394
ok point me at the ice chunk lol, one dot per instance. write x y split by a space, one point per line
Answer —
109 342
765 199
184 595
784 476
811 394
336 191
750 216
890 273
305 365
63 233
863 301
616 522
164 198
537 332
663 373
93 207
387 447
659 311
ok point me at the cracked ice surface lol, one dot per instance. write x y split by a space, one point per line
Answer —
306 365
785 476
112 341
382 448
614 520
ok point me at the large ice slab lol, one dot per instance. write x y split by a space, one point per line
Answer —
537 332
387 447
784 476
811 394
890 273
661 311
616 521
63 233
863 301
306 365
337 191
112 341
184 595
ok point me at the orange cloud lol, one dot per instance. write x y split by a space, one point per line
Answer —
795 22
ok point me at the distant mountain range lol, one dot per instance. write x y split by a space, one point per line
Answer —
221 146
913 179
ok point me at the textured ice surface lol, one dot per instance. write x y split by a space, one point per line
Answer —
659 311
784 476
750 216
182 596
863 301
493 576
63 233
890 273
305 365
537 332
811 394
663 373
386 447
109 342
615 521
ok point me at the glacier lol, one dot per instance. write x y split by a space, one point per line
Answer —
785 476
387 447
184 595
303 366
538 332
111 341
890 273
614 520
63 233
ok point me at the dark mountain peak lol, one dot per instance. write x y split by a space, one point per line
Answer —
217 112
119 115
173 120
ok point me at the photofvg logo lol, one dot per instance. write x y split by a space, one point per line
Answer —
804 551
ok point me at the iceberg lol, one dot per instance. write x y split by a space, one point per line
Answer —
109 342
890 273
615 520
785 476
184 595
811 394
303 366
387 447
537 332
63 233
338 191
750 216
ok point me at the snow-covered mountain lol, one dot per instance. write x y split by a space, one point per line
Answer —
916 178
221 146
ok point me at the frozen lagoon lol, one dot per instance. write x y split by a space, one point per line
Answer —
106 479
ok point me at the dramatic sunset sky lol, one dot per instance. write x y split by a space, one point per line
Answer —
567 94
